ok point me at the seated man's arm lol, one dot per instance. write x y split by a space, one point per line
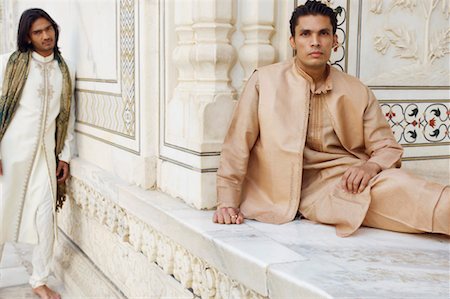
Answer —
241 136
381 146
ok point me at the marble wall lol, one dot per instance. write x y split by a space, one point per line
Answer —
157 80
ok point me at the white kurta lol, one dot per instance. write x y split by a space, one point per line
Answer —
28 150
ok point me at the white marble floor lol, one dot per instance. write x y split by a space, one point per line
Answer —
15 270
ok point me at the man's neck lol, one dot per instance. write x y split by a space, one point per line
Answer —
44 53
318 75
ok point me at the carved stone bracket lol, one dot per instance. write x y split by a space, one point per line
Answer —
193 273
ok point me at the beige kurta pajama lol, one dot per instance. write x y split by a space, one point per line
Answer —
289 145
27 150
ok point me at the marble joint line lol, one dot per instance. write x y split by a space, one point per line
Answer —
192 272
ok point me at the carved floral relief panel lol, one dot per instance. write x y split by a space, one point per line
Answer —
405 43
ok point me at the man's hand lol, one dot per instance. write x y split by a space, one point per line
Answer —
62 171
356 178
228 216
1 168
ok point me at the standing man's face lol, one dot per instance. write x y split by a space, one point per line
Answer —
313 41
42 36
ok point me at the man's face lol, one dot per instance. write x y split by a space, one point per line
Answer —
313 41
42 36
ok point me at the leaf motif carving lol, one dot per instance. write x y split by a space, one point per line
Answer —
381 44
376 7
439 45
410 4
404 41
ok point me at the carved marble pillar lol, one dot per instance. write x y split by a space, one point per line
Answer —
198 113
177 106
212 57
257 19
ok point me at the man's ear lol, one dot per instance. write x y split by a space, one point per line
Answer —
335 41
292 42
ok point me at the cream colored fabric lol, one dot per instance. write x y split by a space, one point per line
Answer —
28 148
43 251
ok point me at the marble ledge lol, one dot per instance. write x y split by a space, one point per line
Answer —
298 258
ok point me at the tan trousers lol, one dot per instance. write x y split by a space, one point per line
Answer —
394 200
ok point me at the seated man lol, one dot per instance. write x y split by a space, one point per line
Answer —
306 137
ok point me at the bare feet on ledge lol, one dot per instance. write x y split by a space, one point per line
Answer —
44 292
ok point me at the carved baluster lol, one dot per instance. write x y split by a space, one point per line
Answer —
176 119
258 26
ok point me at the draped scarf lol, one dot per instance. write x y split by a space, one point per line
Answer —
16 75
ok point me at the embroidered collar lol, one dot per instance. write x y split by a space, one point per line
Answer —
324 88
41 58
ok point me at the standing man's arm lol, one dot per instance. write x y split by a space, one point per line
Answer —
241 136
63 169
3 61
381 146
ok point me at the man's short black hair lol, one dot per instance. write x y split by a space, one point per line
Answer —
26 21
312 7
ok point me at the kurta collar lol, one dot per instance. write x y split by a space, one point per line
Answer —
327 86
41 58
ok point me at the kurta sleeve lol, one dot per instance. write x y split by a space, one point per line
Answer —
69 143
379 140
239 141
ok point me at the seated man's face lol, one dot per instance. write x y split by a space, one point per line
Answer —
313 41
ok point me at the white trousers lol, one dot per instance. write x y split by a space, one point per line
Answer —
43 251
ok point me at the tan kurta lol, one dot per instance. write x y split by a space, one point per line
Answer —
261 167
393 200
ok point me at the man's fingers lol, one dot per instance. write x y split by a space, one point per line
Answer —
364 183
63 174
214 219
350 179
225 215
58 169
344 179
357 181
233 215
240 218
219 217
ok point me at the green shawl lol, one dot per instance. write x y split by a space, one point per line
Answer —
16 75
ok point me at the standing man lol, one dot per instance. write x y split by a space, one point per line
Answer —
307 138
36 139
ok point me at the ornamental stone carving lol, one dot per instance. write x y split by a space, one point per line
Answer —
190 271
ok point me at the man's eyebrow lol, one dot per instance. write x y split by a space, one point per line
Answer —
38 30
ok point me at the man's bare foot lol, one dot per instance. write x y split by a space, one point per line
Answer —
44 292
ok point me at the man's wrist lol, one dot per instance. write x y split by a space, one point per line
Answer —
377 168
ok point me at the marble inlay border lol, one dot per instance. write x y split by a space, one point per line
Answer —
192 272
418 122
119 115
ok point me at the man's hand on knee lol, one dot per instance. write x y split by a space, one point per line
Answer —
356 178
228 216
